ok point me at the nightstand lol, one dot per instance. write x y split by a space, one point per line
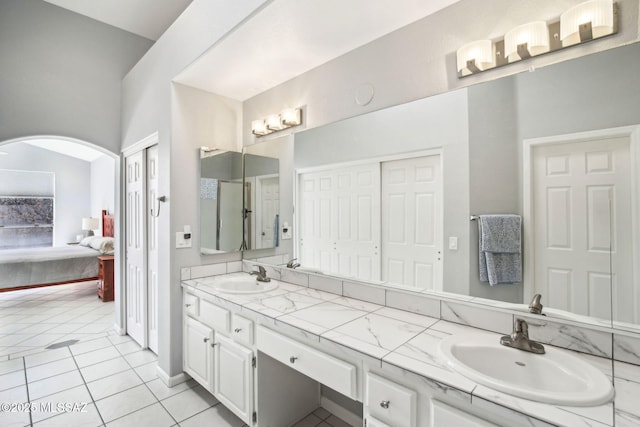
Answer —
105 278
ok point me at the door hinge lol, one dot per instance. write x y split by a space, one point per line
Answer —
253 361
254 418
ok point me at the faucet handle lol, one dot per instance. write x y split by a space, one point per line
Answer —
535 306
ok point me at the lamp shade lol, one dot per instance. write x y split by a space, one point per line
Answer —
291 117
598 12
90 223
274 123
534 34
259 127
480 52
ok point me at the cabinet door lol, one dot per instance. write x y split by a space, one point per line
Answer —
234 377
197 356
389 402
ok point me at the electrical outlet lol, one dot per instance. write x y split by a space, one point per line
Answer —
453 243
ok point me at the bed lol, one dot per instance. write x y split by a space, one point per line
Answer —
35 267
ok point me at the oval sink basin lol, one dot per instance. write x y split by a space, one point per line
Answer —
245 284
555 377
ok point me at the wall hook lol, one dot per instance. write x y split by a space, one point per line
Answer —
157 211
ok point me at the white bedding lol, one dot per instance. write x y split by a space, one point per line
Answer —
34 266
11 256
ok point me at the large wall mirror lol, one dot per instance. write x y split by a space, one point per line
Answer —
388 196
239 201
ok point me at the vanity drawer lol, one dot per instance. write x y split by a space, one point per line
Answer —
216 317
191 304
326 369
390 402
242 329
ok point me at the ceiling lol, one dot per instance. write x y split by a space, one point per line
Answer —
67 148
289 37
146 18
283 40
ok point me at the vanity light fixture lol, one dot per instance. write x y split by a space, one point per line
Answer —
476 56
586 21
287 118
259 128
580 24
526 41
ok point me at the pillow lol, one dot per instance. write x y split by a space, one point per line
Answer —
87 240
102 244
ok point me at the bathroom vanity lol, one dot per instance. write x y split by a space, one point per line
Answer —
266 354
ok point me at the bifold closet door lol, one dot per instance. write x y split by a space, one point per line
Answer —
153 211
340 221
135 286
412 222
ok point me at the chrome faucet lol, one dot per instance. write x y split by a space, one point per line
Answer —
293 264
261 274
535 307
519 338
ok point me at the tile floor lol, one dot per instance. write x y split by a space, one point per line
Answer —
103 379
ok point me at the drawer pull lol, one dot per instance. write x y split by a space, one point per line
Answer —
187 305
293 359
206 339
237 330
213 344
385 404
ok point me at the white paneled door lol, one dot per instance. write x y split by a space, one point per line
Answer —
141 279
340 220
268 190
582 211
152 246
135 287
412 222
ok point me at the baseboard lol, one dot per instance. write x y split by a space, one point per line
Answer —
171 381
119 330
340 412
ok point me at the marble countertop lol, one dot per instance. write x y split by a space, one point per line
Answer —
409 341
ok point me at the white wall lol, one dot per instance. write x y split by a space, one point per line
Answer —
72 191
147 94
61 73
103 186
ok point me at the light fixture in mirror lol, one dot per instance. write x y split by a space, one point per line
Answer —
580 24
526 40
586 21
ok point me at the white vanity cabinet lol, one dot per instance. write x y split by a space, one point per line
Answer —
233 378
388 403
197 352
218 357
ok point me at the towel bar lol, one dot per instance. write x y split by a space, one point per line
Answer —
473 217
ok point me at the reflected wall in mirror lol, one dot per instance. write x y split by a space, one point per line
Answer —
491 138
220 201
261 201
